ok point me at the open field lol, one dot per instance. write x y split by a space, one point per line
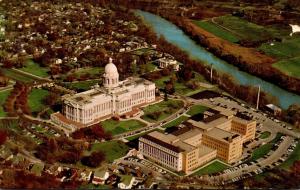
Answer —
249 31
17 76
3 96
35 99
118 127
287 53
216 30
196 109
82 85
91 71
286 49
176 122
214 167
112 149
35 69
161 110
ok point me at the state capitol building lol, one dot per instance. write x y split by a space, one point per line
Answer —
114 98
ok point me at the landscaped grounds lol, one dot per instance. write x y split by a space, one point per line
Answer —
112 149
35 69
3 97
161 110
118 127
35 99
214 167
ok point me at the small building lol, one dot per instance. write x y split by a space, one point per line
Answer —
166 62
100 176
275 110
126 182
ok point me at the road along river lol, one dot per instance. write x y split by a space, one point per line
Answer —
176 36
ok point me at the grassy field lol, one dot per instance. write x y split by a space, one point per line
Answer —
17 76
3 96
35 69
265 135
112 149
295 155
118 127
290 67
162 110
92 71
82 85
264 149
249 31
176 122
214 167
287 53
196 109
35 99
216 30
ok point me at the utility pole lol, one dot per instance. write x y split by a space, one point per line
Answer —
258 94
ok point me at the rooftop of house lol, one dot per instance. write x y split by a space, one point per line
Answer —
126 179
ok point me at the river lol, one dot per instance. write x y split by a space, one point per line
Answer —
176 36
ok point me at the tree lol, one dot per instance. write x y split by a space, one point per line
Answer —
3 136
94 160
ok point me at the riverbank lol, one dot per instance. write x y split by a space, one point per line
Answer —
246 59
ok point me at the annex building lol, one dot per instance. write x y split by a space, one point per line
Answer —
218 133
113 98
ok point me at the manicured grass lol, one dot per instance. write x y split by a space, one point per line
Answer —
264 149
216 30
118 127
82 85
17 76
214 167
3 96
176 122
89 70
286 49
295 155
112 149
35 69
290 67
249 31
196 109
35 99
161 110
265 135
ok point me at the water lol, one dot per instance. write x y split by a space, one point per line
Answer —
176 36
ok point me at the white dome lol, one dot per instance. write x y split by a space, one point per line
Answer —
111 68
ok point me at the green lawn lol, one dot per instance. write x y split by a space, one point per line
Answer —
112 149
295 155
290 67
161 110
196 109
118 127
216 30
249 31
3 96
35 99
265 135
264 149
214 167
17 76
93 71
82 85
286 49
176 122
35 69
